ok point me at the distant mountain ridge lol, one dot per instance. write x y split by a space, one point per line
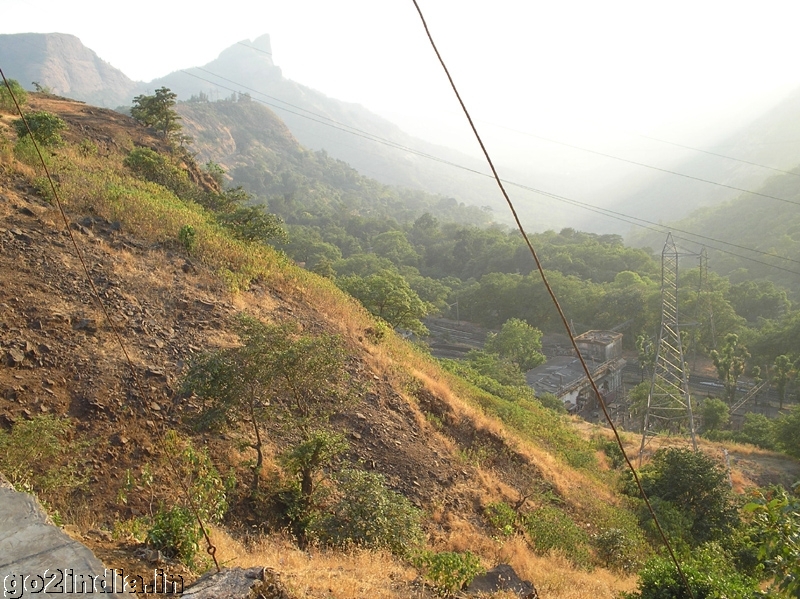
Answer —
345 130
61 62
772 140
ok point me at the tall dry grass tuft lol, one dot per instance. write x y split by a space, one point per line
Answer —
356 574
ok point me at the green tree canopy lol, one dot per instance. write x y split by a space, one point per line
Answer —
388 295
696 485
715 413
45 127
6 101
156 111
277 375
787 432
518 342
729 362
783 371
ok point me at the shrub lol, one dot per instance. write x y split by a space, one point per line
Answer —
696 485
367 514
253 223
707 571
550 528
38 456
155 167
6 101
45 127
449 571
502 516
188 238
175 531
613 547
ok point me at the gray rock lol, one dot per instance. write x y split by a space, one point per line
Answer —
238 583
502 578
30 545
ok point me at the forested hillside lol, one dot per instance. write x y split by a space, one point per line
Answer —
297 418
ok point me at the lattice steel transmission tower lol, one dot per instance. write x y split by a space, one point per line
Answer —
668 402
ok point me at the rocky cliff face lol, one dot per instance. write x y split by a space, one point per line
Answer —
62 63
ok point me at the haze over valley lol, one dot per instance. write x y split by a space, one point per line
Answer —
255 250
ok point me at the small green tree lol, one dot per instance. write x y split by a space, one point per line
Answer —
388 295
158 168
787 432
715 413
45 127
449 571
502 370
782 372
277 375
695 484
253 223
757 430
6 99
518 342
730 362
157 111
175 530
367 514
311 454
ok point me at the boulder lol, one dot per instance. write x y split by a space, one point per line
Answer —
238 583
502 578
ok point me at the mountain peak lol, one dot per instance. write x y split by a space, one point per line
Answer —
257 51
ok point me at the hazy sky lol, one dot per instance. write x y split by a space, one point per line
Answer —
548 67
593 74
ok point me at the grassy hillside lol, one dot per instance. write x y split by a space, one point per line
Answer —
102 445
448 447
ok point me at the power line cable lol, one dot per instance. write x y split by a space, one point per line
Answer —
547 139
663 141
254 48
672 143
660 169
557 306
650 225
327 121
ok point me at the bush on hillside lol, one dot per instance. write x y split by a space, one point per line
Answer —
45 127
367 514
6 100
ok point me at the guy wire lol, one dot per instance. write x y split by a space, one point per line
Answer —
557 305
211 549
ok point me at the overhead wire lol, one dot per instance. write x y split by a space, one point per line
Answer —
710 153
363 133
557 305
671 143
211 549
665 170
327 121
663 141
659 228
254 48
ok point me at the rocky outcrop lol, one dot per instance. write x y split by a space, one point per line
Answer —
62 63
237 583
502 578
36 555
